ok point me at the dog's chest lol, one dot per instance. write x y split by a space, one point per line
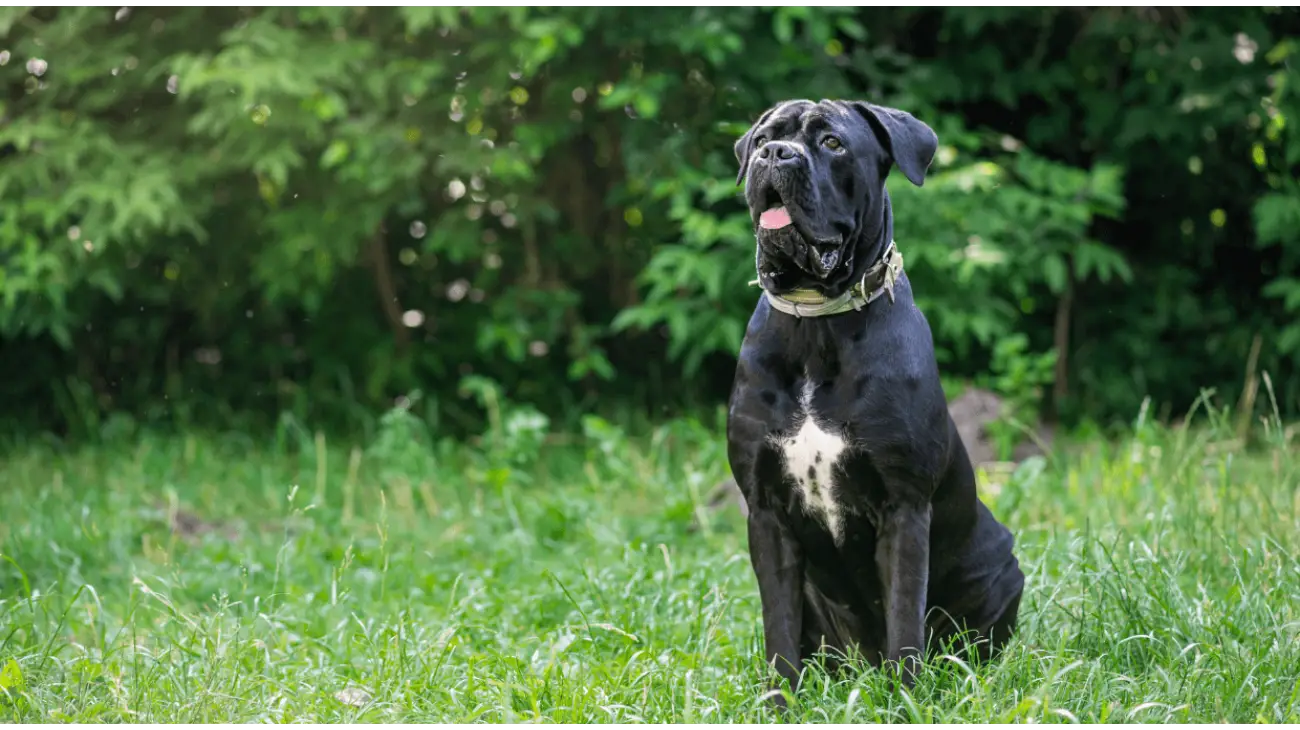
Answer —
810 451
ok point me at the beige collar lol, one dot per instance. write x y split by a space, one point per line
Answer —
878 280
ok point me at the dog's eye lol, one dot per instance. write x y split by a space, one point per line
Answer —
831 143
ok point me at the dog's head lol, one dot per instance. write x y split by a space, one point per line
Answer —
815 184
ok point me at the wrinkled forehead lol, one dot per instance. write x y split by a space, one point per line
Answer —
803 115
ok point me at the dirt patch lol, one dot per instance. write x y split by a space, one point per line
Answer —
974 410
192 527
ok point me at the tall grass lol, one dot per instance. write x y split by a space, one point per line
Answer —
196 579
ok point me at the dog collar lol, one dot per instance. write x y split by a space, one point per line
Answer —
879 280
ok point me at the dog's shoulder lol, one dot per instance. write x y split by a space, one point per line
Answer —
901 407
896 347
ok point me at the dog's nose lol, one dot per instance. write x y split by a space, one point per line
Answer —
779 152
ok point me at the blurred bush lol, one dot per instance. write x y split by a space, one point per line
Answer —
216 215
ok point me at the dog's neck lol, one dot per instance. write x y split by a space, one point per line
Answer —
872 241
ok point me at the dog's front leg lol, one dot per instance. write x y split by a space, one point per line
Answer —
903 559
778 564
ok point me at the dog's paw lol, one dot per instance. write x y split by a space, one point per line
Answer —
903 672
776 699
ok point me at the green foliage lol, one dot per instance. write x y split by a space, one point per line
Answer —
1021 377
207 213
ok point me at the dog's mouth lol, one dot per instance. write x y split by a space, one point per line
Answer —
775 215
782 226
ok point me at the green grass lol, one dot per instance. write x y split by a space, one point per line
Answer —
408 583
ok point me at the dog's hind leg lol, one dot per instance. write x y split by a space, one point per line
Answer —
1001 630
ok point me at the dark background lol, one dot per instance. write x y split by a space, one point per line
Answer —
220 217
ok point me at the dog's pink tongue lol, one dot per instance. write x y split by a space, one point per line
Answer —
774 218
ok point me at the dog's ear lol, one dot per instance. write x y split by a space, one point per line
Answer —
910 142
745 145
744 148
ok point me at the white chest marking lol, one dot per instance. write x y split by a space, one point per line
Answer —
810 454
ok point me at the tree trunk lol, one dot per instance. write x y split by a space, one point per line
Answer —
1061 342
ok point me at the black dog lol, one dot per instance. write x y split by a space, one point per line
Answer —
865 531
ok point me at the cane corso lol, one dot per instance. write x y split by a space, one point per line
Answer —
865 530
